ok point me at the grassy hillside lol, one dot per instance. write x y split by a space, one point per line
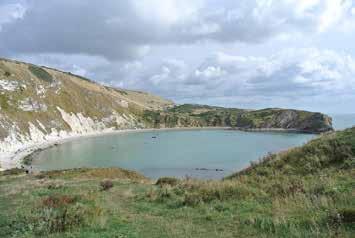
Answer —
304 192
32 94
274 118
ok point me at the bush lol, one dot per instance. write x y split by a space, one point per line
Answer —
106 185
167 181
7 74
15 171
59 220
41 73
347 215
56 213
58 201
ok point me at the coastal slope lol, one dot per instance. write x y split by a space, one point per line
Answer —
41 105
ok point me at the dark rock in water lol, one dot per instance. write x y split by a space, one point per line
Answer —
154 137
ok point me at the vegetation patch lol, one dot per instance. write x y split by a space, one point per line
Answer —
81 77
119 91
106 185
15 171
347 215
4 103
58 213
41 73
103 173
167 181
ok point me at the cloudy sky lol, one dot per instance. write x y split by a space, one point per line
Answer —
246 53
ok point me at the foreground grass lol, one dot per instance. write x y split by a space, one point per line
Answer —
304 192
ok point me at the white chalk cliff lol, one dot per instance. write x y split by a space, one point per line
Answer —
41 106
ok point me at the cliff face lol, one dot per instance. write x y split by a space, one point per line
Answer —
198 116
39 104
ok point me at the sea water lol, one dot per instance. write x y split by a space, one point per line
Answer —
206 154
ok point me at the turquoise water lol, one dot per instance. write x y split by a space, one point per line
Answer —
207 154
195 153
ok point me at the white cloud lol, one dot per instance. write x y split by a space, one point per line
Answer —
210 72
125 30
335 11
11 12
290 78
287 75
126 43
167 12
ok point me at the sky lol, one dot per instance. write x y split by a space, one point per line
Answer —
246 54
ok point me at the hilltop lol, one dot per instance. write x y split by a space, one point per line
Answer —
303 192
41 105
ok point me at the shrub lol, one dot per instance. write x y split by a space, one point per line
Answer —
15 171
59 220
56 213
347 215
4 102
54 186
58 201
106 185
167 181
41 73
192 199
7 74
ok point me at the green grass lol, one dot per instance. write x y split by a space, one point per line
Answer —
304 192
41 73
4 104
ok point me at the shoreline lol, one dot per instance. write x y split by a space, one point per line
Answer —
14 160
